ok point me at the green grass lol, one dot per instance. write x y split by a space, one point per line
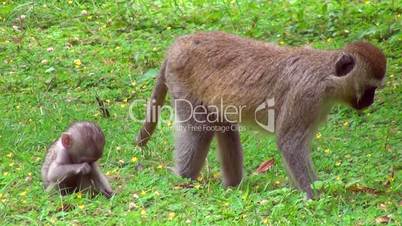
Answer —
42 91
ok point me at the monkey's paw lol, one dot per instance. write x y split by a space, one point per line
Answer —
108 193
85 168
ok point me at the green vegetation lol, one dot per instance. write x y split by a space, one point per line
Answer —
57 56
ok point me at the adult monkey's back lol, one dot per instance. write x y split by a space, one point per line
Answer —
214 68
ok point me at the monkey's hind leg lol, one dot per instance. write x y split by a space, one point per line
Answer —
192 139
191 149
231 155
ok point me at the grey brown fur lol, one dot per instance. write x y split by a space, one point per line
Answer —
70 164
206 68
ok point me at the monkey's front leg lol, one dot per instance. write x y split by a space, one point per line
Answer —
100 180
192 140
294 154
58 172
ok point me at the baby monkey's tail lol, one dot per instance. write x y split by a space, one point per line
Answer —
153 108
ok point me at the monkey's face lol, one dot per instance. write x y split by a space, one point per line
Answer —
366 68
365 100
361 81
366 84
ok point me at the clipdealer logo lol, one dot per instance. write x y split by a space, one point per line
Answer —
264 114
267 106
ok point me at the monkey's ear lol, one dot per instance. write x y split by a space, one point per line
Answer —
344 65
66 140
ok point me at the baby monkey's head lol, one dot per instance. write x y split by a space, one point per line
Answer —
84 142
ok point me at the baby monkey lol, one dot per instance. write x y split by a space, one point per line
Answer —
70 163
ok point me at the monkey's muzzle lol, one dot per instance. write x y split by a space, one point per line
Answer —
366 100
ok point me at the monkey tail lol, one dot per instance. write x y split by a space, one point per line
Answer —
152 115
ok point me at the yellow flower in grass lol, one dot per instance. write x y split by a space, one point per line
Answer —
318 135
143 212
171 215
77 63
53 220
199 178
134 159
81 206
216 175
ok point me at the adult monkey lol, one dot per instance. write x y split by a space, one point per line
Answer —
207 68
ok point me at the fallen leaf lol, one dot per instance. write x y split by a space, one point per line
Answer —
382 220
364 189
265 166
184 186
65 208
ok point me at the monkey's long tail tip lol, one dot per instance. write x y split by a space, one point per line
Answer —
141 140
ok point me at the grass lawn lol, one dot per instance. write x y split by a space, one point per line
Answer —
56 57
